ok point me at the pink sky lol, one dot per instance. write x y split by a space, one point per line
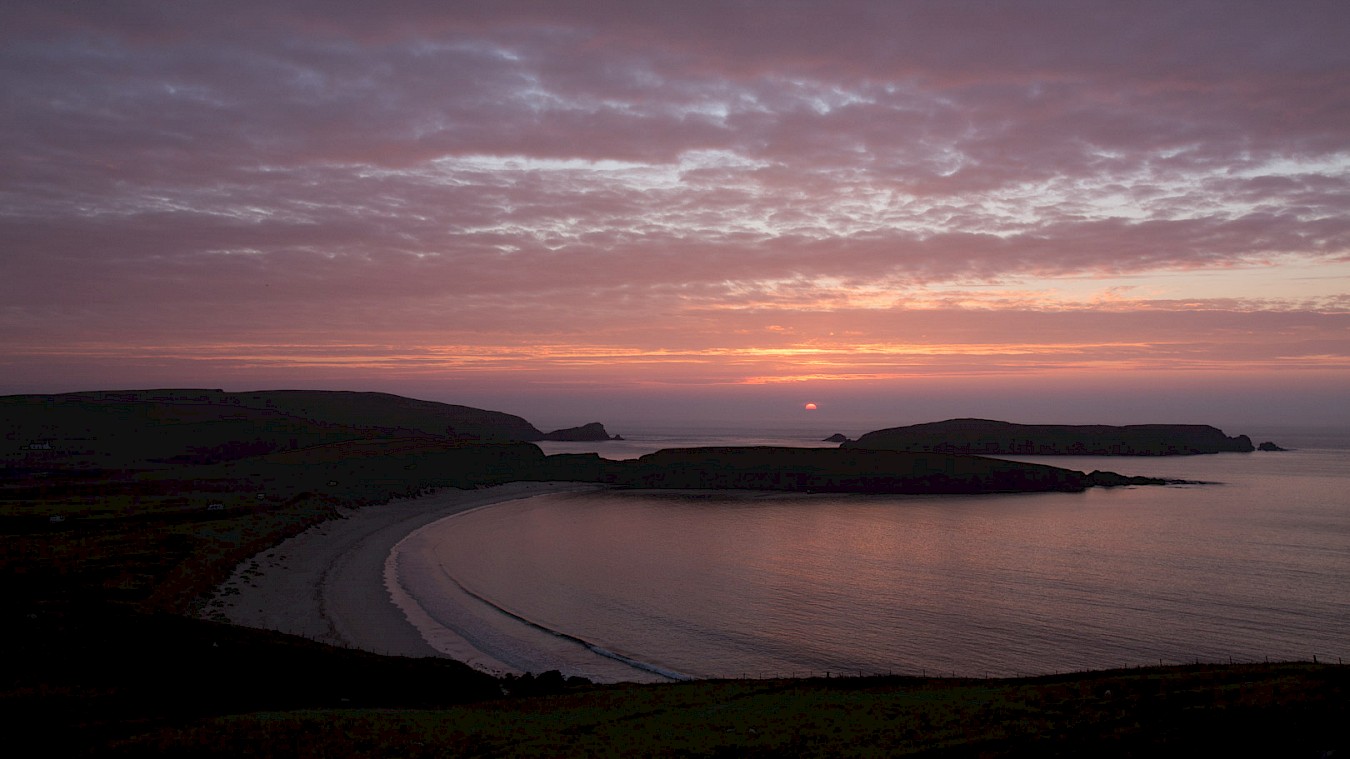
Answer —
901 211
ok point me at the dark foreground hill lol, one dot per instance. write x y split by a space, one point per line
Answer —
987 437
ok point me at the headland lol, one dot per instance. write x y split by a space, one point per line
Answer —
987 437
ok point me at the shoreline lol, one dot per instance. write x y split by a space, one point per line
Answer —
470 628
328 583
345 583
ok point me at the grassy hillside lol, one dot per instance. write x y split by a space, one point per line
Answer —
100 566
158 428
1277 710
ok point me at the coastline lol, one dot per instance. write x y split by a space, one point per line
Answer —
360 582
329 583
463 625
298 586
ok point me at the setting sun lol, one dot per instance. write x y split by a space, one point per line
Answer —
555 240
462 340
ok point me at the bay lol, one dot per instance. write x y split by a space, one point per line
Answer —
628 585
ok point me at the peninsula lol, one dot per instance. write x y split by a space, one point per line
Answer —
987 437
847 470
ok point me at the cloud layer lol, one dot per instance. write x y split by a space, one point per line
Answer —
638 194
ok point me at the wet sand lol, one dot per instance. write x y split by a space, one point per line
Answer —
328 583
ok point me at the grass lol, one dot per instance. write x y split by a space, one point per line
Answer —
103 658
1285 710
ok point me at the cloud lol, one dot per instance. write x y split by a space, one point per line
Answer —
521 175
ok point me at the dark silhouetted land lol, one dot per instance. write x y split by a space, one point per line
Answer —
986 437
310 439
848 470
121 512
585 433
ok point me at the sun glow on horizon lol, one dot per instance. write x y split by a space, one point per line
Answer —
830 200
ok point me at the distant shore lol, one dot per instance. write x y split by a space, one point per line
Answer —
328 583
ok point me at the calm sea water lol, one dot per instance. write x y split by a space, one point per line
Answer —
651 440
615 585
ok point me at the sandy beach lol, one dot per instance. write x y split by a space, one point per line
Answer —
328 583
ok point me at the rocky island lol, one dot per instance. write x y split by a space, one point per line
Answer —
585 433
987 437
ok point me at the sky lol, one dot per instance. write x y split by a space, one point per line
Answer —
703 212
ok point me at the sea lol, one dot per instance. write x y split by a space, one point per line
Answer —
1250 561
